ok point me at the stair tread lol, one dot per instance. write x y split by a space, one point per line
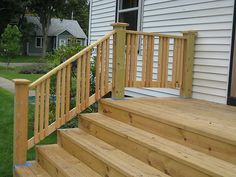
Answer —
209 119
68 164
34 170
117 159
193 158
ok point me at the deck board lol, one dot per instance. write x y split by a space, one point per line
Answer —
206 118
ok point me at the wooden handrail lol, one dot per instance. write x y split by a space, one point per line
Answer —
63 111
71 59
170 52
139 59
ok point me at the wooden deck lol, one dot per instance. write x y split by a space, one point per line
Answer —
195 115
161 137
201 125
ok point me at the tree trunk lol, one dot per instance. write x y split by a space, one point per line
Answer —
45 28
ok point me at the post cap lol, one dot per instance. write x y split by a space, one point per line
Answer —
119 24
21 81
190 32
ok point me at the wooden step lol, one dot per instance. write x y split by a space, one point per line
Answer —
58 162
33 170
172 158
104 158
200 125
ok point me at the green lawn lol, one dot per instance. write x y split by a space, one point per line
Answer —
13 73
23 59
6 133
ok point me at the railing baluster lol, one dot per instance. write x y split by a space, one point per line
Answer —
83 82
163 61
150 51
36 115
132 55
135 58
175 60
107 64
78 85
128 56
98 72
58 98
144 59
47 99
42 95
63 94
68 78
181 62
102 67
88 78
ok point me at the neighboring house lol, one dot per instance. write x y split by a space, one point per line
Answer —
212 19
59 34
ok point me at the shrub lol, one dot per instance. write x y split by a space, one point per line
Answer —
62 54
10 42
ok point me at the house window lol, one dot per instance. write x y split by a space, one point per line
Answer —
38 42
62 42
128 11
79 41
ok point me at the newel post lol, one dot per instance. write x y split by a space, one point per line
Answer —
20 121
118 69
189 50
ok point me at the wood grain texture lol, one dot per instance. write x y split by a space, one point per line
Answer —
20 121
203 126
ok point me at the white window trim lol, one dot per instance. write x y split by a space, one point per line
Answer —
60 43
41 42
140 11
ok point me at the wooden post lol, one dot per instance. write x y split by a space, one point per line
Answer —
189 49
118 69
20 121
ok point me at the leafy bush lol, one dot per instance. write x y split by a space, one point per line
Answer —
62 54
10 42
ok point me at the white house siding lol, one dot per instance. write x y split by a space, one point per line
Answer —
101 17
212 19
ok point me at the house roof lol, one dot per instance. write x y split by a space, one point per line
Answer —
58 26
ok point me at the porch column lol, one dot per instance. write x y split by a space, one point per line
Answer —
189 51
118 69
20 138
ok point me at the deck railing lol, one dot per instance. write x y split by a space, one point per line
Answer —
138 59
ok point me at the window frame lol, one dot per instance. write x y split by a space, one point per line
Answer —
41 42
139 9
64 43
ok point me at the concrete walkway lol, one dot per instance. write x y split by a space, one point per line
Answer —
7 85
10 86
21 64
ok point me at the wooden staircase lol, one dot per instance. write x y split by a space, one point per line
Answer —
143 138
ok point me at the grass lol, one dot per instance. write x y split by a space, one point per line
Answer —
13 73
6 133
23 59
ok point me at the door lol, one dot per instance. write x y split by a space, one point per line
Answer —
232 76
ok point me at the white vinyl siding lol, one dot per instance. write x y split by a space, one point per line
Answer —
212 19
101 17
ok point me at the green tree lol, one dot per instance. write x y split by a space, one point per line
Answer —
11 12
46 9
10 42
78 10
